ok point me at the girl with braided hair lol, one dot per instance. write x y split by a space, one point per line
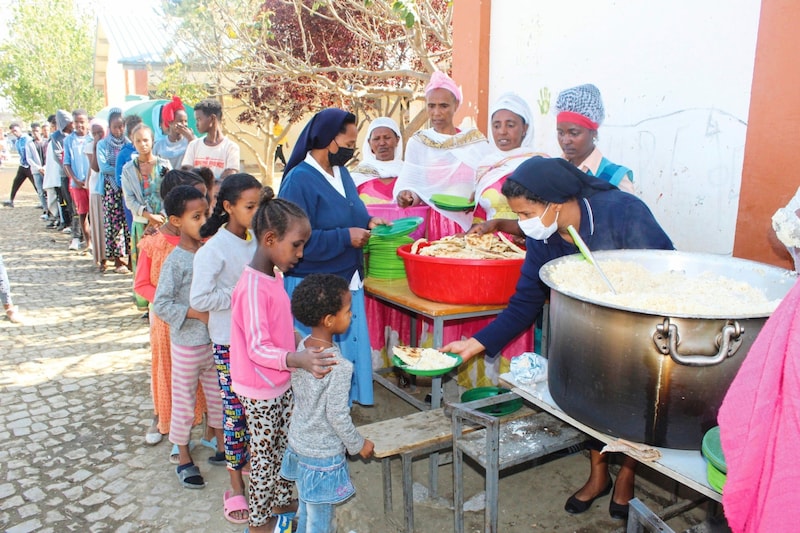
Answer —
218 265
263 352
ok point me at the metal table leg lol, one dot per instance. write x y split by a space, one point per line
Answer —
436 402
386 467
408 490
458 476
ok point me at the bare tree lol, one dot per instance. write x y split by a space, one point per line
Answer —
294 57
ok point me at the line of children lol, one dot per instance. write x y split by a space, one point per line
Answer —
218 266
209 293
153 251
190 345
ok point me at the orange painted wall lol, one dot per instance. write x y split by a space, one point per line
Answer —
471 28
769 175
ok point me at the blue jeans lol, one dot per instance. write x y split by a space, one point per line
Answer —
38 181
316 518
322 482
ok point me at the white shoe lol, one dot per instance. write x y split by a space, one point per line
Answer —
43 217
75 244
66 230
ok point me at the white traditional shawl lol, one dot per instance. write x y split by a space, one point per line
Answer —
370 168
443 164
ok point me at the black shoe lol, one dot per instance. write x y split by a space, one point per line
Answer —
8 203
618 511
576 506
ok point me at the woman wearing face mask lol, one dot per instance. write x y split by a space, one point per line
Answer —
549 195
316 179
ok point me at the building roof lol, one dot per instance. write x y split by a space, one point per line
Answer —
141 40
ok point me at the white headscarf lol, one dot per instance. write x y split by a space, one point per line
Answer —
499 164
514 103
370 168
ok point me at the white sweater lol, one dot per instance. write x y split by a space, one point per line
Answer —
218 264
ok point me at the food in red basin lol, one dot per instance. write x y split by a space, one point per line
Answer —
461 281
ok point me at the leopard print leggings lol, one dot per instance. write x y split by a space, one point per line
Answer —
268 424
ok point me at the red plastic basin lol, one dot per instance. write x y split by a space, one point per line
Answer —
461 281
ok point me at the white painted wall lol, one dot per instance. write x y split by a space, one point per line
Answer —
675 79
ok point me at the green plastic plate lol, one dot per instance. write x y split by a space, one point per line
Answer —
448 202
399 227
712 450
396 361
500 409
716 479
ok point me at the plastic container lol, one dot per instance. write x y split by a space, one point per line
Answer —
461 281
500 409
391 212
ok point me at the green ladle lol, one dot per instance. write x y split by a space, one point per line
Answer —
587 254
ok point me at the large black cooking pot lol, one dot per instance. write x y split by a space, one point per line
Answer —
645 376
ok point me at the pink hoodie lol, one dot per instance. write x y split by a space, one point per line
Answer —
262 333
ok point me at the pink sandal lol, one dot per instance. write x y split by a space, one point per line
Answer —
232 504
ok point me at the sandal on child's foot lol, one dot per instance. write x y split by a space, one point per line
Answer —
189 476
218 459
174 454
235 508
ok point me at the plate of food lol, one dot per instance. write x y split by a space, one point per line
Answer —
424 361
449 202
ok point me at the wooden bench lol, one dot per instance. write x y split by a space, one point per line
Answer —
411 436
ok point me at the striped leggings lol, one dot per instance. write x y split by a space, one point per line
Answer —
192 365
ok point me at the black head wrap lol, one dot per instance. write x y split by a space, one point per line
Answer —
318 133
557 180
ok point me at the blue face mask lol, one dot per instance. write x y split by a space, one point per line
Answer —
535 229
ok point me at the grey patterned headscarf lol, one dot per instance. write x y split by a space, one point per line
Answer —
583 100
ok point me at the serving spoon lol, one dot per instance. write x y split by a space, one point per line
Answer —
587 254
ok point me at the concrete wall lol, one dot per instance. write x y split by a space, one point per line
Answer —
675 79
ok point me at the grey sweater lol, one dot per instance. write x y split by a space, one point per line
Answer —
321 425
171 301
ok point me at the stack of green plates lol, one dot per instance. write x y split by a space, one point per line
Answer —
448 202
384 263
712 450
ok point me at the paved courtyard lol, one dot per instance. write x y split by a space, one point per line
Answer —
74 390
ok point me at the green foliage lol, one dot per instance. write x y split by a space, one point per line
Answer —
48 61
175 81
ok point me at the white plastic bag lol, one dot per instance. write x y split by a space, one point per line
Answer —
786 223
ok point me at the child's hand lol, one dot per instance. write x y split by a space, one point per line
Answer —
367 449
202 316
313 360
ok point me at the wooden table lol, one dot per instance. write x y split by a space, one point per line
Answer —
687 467
397 294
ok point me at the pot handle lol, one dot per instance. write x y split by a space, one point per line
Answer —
728 341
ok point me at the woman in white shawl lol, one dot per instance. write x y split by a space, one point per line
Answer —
511 133
441 159
382 154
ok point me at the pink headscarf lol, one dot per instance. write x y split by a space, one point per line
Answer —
440 80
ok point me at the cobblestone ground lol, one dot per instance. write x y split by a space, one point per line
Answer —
74 390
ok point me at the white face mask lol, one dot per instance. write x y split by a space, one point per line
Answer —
535 229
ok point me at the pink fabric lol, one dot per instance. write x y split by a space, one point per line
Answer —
376 192
262 334
440 80
760 425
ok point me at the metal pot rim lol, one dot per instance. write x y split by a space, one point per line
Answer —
667 260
